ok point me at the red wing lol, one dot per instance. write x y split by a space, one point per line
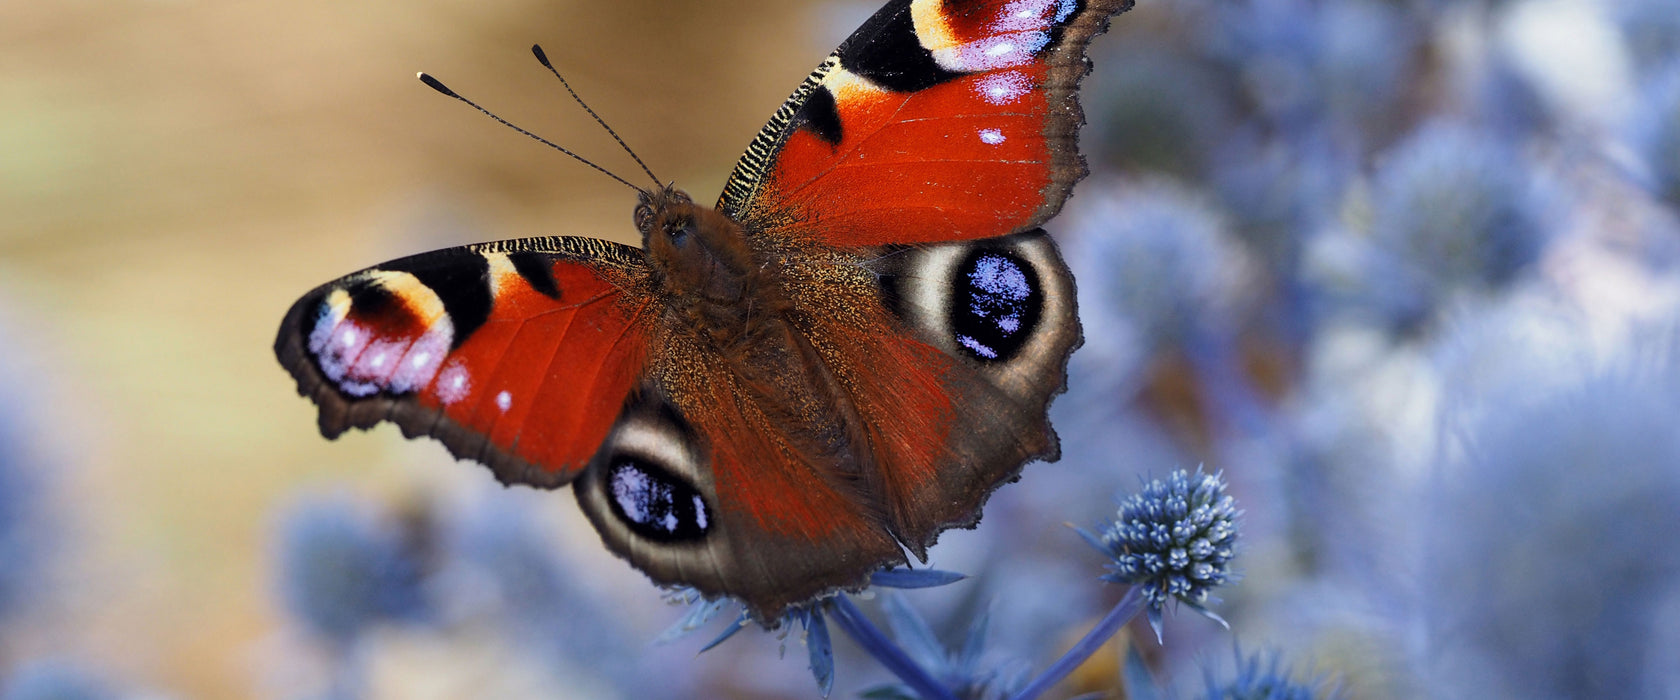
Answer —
935 121
950 355
517 354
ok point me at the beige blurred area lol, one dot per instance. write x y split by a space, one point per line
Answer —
174 173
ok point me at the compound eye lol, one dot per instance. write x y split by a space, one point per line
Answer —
679 231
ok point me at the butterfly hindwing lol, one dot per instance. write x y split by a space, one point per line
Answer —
707 488
516 354
950 354
937 120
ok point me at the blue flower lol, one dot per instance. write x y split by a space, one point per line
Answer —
1175 540
1156 266
1257 679
1548 549
53 680
1312 65
1656 132
1453 211
1152 110
341 569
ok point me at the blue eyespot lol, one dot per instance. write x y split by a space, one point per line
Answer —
995 304
654 503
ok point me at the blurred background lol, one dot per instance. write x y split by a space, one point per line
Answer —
1406 270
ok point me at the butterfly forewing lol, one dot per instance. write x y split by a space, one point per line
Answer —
935 121
516 354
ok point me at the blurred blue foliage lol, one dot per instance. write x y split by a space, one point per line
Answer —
1546 558
54 680
1656 131
1157 270
343 568
1258 677
20 534
26 540
1652 28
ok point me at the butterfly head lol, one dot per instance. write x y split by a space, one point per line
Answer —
697 250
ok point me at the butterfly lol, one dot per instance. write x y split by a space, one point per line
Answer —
778 395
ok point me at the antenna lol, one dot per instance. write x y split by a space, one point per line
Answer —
434 84
543 59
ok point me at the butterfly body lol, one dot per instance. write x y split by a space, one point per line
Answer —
775 397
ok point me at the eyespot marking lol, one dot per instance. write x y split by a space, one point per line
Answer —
995 305
654 503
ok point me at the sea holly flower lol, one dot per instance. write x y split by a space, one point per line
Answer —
1455 205
1174 541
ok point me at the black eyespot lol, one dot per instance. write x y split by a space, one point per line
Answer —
995 304
654 503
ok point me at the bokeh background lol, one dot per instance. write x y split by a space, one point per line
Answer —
1406 270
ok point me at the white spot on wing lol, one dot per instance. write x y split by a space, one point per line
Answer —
453 383
631 488
1003 88
424 357
504 401
992 52
991 136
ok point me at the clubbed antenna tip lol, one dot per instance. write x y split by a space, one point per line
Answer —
434 84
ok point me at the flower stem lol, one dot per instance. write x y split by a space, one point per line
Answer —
868 636
1123 612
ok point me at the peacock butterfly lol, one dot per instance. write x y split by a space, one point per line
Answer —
774 397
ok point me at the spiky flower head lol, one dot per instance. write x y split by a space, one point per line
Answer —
1455 205
1174 539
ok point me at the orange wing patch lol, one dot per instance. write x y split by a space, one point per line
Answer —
963 159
